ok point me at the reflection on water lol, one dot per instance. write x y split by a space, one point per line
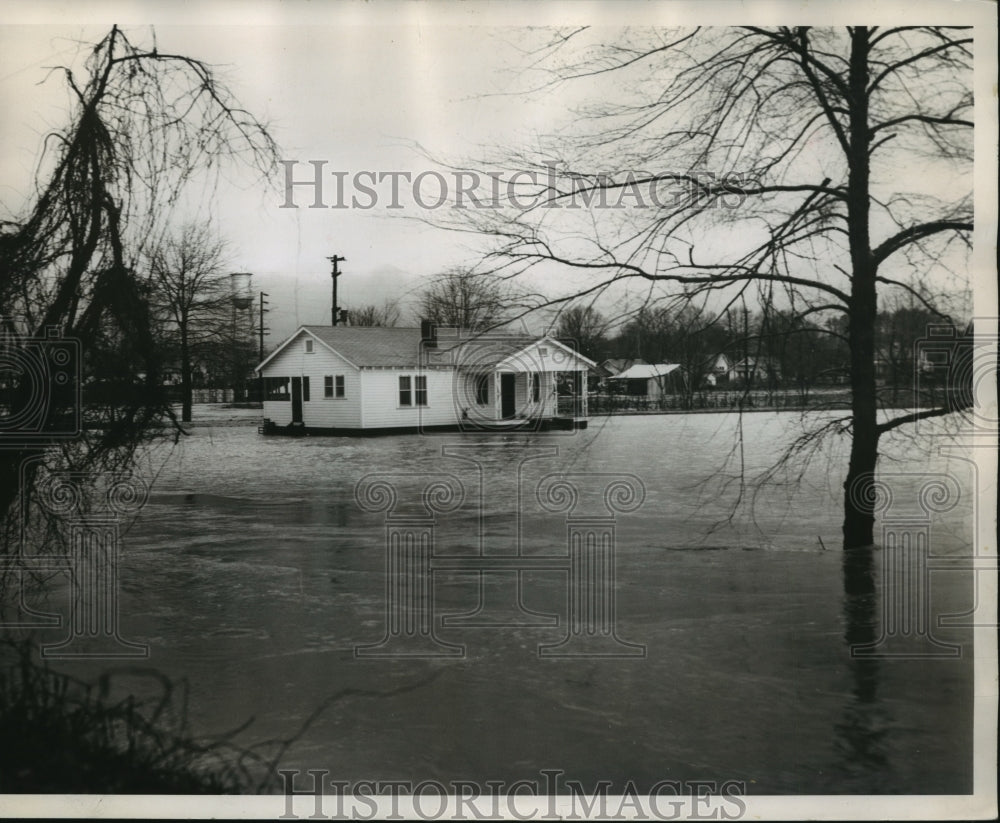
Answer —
253 573
862 731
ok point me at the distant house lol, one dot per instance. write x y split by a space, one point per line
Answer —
651 381
614 366
755 369
342 379
718 373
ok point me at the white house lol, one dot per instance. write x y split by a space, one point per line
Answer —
344 379
614 366
754 369
719 371
650 380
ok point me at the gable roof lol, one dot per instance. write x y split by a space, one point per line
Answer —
565 353
616 365
400 348
644 371
755 362
372 346
362 346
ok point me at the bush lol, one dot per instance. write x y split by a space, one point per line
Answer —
63 735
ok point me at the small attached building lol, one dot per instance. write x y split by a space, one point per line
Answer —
649 380
344 379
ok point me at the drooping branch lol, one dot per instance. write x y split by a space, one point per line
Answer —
913 417
918 232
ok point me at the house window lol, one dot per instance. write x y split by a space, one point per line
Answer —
536 387
276 388
483 389
333 386
305 388
309 345
413 390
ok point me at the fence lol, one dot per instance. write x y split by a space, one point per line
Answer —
250 394
699 401
572 405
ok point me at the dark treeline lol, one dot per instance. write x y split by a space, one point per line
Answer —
770 349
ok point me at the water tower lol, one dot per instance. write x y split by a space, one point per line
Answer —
240 285
242 330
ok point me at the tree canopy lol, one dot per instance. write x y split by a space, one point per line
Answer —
144 125
769 166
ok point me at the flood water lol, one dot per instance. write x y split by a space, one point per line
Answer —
253 573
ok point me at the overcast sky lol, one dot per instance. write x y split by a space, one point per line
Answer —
355 85
358 96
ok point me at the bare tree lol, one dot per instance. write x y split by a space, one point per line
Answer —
191 292
586 328
370 314
143 124
763 165
467 299
694 340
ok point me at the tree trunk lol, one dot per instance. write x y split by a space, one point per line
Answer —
859 519
186 388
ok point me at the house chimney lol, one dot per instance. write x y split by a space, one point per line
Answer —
428 334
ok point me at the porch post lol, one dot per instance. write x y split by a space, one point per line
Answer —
496 395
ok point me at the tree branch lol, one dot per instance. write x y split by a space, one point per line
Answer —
914 233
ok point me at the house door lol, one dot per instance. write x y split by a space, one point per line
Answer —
507 396
296 399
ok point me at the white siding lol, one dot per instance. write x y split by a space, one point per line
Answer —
381 407
318 411
548 394
521 395
467 397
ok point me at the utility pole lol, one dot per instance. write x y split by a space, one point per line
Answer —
334 309
261 331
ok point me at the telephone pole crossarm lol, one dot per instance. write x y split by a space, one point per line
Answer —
335 273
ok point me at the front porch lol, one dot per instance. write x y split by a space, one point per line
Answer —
514 398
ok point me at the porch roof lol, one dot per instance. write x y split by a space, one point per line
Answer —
545 355
646 371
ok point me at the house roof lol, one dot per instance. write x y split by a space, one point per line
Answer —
534 353
756 361
372 346
616 365
380 347
644 371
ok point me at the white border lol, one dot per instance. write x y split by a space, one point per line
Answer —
980 13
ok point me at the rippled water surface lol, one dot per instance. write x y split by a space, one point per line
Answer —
253 573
